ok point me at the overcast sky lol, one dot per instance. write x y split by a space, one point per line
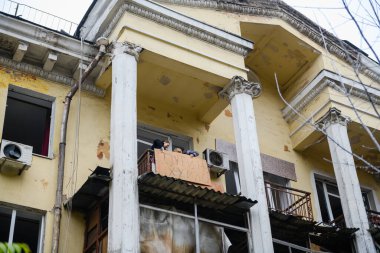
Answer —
327 13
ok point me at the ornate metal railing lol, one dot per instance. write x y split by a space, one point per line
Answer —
373 218
289 201
37 16
144 163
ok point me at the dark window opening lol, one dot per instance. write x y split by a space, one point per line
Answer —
26 227
27 121
232 179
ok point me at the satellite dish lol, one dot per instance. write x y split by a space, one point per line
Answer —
12 151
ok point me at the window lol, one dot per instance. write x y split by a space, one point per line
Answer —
145 138
28 119
232 179
21 227
330 204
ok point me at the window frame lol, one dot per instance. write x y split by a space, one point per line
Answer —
33 96
332 181
36 215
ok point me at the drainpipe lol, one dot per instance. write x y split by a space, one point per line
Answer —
102 42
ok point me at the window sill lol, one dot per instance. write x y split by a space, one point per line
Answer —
43 156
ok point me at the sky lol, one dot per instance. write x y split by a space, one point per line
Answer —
329 14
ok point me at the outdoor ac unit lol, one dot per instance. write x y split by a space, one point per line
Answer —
14 157
217 161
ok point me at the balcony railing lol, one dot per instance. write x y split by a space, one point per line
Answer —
144 163
37 16
289 201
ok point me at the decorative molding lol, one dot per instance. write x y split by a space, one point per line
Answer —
279 9
126 48
239 85
333 116
189 29
52 76
327 79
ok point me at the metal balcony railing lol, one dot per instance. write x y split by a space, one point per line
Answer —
289 201
37 16
144 163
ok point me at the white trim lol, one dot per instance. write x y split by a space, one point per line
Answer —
41 235
12 227
316 198
193 22
327 79
52 128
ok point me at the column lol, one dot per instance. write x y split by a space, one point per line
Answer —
240 93
124 225
350 194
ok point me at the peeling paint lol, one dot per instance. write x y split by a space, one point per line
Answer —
175 99
286 148
228 113
103 150
151 108
44 183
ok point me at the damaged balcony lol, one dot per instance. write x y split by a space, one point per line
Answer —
177 200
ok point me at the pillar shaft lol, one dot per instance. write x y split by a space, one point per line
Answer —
350 194
124 226
240 93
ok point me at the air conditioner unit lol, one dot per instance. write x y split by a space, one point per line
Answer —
217 161
14 157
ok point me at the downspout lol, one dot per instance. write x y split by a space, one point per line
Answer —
102 42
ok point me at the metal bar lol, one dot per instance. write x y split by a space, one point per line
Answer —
224 224
196 224
12 228
199 218
294 246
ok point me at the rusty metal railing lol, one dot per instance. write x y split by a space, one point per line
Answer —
38 17
373 218
289 201
144 163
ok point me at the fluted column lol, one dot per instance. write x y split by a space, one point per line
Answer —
124 225
240 93
350 193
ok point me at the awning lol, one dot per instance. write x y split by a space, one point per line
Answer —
181 191
94 189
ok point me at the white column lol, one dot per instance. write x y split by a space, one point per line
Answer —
240 93
123 225
350 194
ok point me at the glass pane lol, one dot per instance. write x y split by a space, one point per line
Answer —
336 207
322 201
5 224
92 235
162 232
232 177
104 215
27 231
366 201
211 238
332 189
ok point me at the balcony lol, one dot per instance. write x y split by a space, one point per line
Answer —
289 201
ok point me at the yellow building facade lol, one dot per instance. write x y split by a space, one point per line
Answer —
254 81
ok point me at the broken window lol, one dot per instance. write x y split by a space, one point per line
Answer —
28 119
19 226
330 203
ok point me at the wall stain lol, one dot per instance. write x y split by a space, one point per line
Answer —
103 150
44 183
165 80
208 95
207 127
175 99
151 108
286 148
228 113
197 140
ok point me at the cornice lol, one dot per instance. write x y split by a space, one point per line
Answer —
193 30
279 9
52 76
323 80
239 85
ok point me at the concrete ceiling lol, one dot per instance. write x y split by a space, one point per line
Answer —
277 51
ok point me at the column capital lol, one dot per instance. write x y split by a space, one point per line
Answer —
239 85
333 116
126 48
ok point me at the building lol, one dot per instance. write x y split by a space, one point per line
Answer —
204 75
